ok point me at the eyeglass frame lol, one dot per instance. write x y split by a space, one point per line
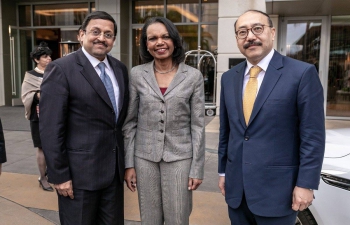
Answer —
251 30
97 33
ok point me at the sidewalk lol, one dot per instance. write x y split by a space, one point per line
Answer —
23 202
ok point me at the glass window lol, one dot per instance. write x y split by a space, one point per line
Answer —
189 34
136 35
338 94
24 15
60 14
209 11
183 11
92 6
144 9
209 37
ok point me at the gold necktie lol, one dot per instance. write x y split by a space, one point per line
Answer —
250 93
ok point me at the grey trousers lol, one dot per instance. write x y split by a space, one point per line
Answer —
163 192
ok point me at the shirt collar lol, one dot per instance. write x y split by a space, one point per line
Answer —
94 62
263 64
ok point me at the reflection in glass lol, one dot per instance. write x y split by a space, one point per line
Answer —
338 94
303 41
60 14
145 9
209 11
24 15
183 13
209 37
136 34
189 34
92 6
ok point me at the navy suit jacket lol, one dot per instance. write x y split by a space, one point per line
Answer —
81 139
283 144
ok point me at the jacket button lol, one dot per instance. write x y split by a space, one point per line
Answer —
246 138
161 111
113 150
162 121
161 131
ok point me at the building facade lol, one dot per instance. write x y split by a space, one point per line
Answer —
315 31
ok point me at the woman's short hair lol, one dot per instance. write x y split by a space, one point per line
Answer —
179 52
40 50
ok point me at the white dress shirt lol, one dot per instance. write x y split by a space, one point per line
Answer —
108 70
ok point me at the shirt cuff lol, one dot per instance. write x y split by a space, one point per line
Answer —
221 174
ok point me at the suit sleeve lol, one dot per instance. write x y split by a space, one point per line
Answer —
53 114
130 124
198 129
224 131
311 128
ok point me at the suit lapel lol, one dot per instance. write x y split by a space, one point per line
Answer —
150 78
238 89
272 75
92 77
178 78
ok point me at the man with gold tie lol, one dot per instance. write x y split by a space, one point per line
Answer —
272 132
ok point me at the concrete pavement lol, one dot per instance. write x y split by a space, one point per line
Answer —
22 201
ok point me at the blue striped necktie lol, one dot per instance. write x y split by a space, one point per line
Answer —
106 80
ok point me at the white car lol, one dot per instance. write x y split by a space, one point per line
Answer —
332 200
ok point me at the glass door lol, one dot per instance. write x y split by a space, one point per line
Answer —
307 39
21 43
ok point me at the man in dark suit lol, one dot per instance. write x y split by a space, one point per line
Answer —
2 147
272 132
84 100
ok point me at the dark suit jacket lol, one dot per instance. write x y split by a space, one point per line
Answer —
81 140
2 145
283 144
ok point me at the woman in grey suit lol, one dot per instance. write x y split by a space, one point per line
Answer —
164 128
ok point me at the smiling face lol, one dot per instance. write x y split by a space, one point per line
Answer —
159 43
255 47
97 46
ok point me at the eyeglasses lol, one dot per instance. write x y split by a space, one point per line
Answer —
97 33
256 30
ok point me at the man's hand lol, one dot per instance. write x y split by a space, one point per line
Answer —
65 189
130 178
302 198
222 184
193 183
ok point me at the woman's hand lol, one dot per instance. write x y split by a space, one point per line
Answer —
130 178
194 183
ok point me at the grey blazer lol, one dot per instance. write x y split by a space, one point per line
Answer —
169 127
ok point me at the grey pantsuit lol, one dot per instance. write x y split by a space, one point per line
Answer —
164 138
169 200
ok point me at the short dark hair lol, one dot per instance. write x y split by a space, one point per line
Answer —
98 15
40 50
257 11
179 51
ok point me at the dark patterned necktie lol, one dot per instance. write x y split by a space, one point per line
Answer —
106 80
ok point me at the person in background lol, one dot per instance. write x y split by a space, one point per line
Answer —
84 100
2 147
164 128
272 129
41 56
